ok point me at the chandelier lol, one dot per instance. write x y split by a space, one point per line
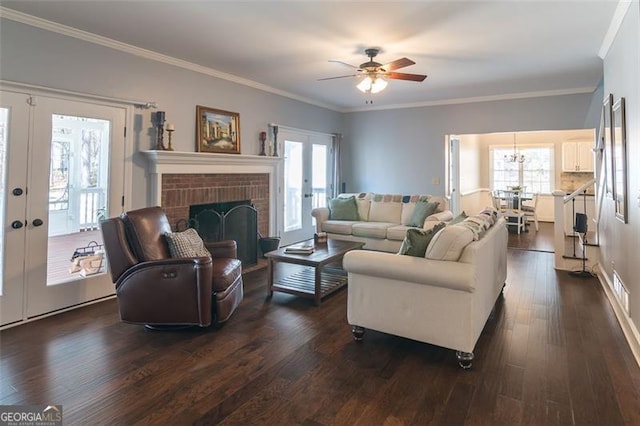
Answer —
516 157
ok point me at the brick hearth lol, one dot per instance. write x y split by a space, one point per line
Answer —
179 191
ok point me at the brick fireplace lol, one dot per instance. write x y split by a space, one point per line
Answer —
180 179
179 191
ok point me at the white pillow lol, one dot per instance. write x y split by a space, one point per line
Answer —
449 243
363 208
407 212
385 212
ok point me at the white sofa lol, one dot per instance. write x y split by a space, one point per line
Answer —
383 220
445 303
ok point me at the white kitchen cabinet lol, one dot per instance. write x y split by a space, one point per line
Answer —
577 157
569 214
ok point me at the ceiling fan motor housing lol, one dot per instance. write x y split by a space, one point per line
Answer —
372 53
371 65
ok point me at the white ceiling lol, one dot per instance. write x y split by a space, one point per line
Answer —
468 49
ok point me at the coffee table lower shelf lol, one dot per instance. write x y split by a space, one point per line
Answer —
302 282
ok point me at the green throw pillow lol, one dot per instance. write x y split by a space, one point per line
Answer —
421 211
343 209
417 240
462 216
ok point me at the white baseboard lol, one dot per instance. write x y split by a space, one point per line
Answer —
628 328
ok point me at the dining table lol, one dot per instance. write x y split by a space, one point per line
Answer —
516 197
511 210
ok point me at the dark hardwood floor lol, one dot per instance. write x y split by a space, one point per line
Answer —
542 240
552 353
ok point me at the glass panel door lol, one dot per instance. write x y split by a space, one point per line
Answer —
14 134
77 161
307 177
293 166
319 178
78 184
453 175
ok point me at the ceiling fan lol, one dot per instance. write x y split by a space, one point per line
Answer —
375 74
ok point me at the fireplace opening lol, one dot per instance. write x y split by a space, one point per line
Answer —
233 220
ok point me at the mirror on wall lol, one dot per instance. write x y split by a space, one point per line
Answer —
620 159
608 144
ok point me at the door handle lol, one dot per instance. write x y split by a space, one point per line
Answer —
16 224
17 192
37 222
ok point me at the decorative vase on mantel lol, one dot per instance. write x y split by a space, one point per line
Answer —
275 140
263 138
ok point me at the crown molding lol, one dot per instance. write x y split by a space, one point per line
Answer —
614 26
65 30
154 56
490 98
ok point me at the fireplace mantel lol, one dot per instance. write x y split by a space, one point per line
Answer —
200 162
177 162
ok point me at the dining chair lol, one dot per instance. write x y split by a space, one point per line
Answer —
530 211
513 212
497 200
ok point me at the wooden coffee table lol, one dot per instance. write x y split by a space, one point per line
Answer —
316 281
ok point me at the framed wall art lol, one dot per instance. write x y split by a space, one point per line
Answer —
608 143
217 130
620 159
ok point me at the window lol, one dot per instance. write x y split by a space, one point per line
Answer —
535 174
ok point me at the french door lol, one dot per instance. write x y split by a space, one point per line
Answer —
14 132
63 170
307 181
453 175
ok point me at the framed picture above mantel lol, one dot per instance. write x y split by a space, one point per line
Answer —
217 130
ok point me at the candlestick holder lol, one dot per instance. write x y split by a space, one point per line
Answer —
275 141
160 126
263 138
169 133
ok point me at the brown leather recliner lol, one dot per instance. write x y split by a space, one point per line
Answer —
154 289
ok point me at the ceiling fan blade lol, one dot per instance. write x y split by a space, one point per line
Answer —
398 63
343 63
342 76
405 76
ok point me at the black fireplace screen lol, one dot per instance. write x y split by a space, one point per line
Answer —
235 220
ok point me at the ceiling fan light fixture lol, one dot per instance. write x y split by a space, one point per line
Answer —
372 84
378 85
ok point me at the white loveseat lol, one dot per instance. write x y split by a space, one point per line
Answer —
383 219
444 303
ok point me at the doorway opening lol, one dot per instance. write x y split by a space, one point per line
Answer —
551 160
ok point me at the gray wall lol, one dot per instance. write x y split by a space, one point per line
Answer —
619 245
38 57
403 150
384 151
